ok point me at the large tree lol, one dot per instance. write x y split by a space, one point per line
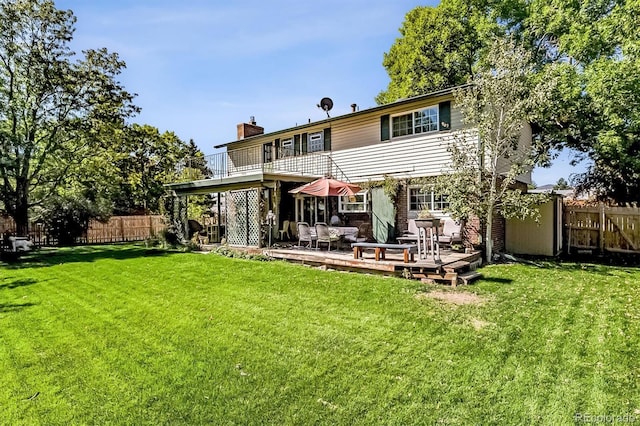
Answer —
149 160
438 47
482 179
52 102
595 109
591 48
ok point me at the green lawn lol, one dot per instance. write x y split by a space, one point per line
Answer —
117 335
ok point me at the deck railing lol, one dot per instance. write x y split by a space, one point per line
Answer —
251 160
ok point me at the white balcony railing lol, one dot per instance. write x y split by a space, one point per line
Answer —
253 160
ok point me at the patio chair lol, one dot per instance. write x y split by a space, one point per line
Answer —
324 235
304 234
285 230
364 230
451 232
349 234
411 235
292 230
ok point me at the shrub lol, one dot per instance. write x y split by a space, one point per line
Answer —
226 251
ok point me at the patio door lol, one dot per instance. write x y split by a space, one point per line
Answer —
383 214
311 209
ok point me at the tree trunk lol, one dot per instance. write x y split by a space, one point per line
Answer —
21 212
489 237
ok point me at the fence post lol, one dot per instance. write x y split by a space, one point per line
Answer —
602 228
570 217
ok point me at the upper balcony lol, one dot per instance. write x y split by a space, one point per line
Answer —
256 160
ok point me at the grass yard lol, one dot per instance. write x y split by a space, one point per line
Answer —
99 335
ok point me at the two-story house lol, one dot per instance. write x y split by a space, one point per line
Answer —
405 140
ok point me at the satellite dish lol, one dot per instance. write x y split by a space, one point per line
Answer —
326 104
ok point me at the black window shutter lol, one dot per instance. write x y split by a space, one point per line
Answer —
445 115
277 144
384 128
304 143
327 139
296 145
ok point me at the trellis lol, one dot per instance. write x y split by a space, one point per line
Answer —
243 218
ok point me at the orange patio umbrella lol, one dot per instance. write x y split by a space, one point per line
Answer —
326 187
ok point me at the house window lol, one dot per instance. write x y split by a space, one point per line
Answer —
429 200
286 148
418 199
402 125
353 204
426 120
316 142
267 152
415 122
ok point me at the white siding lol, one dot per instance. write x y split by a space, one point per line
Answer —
524 147
355 133
413 157
364 130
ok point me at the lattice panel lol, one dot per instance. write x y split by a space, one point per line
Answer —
253 207
243 225
236 225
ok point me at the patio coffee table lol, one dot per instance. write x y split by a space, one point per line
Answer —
408 250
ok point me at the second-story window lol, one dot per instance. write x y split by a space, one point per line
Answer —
415 122
267 152
286 148
425 120
316 142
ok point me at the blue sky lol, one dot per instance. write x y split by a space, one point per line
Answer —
201 67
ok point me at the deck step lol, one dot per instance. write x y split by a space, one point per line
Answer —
456 266
470 276
447 277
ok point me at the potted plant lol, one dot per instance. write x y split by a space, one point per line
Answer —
426 220
458 248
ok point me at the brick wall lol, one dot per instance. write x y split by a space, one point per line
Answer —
402 214
472 232
498 233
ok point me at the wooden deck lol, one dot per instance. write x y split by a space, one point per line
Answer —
392 265
453 267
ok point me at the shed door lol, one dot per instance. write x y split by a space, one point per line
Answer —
383 215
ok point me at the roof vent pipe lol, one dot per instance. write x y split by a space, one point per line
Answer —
354 107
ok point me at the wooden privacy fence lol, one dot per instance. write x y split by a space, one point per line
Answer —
613 229
116 229
124 228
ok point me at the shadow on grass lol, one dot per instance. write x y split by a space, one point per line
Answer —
13 307
497 280
50 257
603 265
18 283
591 267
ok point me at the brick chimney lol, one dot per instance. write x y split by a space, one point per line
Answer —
246 130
